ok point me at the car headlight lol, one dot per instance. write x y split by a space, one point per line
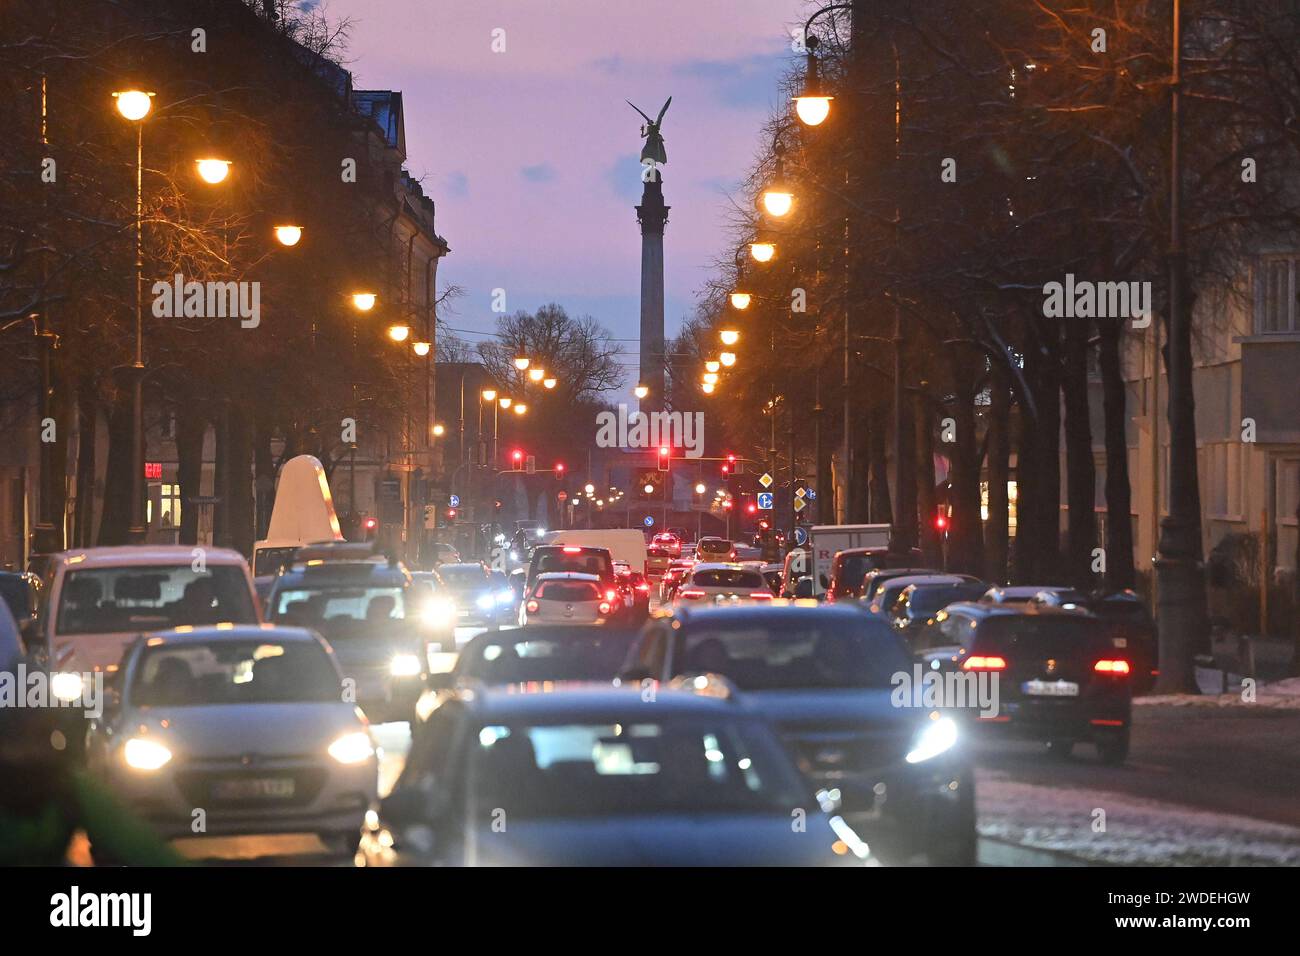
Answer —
66 686
404 665
438 612
352 748
144 754
485 602
505 597
937 738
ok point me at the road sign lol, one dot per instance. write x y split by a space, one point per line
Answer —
430 516
811 495
799 505
801 536
799 492
563 496
765 500
766 480
453 501
648 521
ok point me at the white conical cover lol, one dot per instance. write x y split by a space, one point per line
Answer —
304 508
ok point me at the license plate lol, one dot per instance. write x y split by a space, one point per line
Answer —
1050 688
254 788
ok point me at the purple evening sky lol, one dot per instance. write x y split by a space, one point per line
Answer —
532 155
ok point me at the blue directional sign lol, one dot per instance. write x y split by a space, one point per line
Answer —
648 521
810 495
801 536
453 501
765 500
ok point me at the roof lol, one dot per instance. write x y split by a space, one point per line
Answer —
132 555
232 632
596 701
384 108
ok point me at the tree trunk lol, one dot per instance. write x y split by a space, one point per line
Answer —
881 503
964 533
240 481
190 429
996 529
1120 573
264 476
927 502
84 526
1049 461
861 492
1081 471
117 474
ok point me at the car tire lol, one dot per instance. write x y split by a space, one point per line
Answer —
1112 747
1061 748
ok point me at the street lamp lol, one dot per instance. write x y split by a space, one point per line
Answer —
641 391
762 251
707 388
727 359
710 378
550 382
712 365
421 348
213 171
135 106
399 333
729 336
439 430
505 401
537 373
521 363
740 300
813 104
288 235
777 198
520 408
489 394
363 301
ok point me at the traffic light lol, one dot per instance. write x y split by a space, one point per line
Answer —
517 460
941 521
559 471
451 515
729 466
751 508
665 453
648 485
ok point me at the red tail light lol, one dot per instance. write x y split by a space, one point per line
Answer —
761 596
978 662
830 594
611 594
1112 667
643 587
532 607
570 549
690 594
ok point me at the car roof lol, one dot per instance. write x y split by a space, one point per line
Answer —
209 633
908 580
346 572
594 701
145 554
985 609
778 609
568 576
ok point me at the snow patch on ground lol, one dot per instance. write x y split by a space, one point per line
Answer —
1277 695
1138 831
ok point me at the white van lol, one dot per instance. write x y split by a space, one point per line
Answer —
303 514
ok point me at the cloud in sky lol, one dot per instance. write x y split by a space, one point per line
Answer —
558 92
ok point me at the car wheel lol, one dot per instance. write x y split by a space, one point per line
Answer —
1112 746
1060 747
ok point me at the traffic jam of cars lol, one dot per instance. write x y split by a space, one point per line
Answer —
614 708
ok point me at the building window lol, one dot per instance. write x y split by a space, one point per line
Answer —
169 506
1275 295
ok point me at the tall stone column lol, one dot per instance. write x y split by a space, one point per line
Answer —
652 215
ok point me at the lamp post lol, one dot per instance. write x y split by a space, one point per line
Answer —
135 105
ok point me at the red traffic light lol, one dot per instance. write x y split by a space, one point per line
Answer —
559 467
665 453
941 522
727 504
371 524
752 508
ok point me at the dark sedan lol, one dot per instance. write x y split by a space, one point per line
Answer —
825 677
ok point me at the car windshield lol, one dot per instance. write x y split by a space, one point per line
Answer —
187 674
16 593
462 577
271 560
152 598
338 608
626 765
728 578
577 654
925 601
783 651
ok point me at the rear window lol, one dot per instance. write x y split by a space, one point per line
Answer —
461 577
853 568
152 598
924 602
728 578
713 547
1047 636
568 591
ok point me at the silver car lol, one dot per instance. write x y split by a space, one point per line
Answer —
566 597
237 730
